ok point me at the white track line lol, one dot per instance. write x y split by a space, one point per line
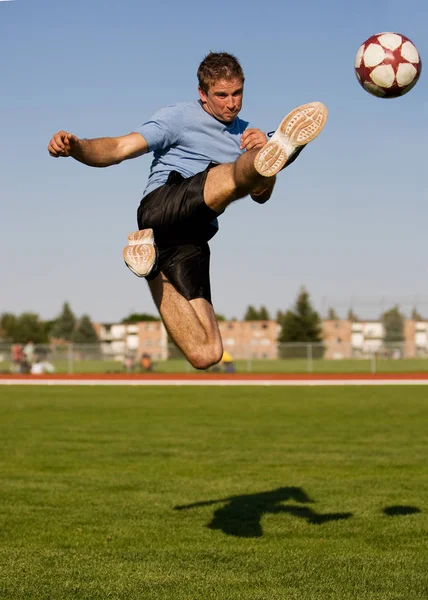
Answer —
212 382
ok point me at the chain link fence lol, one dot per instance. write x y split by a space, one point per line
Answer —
284 358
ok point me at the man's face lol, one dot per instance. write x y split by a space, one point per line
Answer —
224 99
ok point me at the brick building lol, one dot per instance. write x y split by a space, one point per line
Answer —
337 336
250 339
342 339
119 339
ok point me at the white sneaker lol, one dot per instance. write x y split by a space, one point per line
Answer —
297 129
140 255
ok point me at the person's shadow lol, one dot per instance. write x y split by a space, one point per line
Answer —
241 515
401 510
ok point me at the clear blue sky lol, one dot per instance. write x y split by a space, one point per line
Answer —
349 218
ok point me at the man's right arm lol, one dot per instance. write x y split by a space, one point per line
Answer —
98 152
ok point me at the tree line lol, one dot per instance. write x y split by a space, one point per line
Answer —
299 324
30 327
303 324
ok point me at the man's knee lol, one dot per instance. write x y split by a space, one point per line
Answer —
204 358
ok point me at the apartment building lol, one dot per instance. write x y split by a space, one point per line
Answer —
119 339
337 335
362 339
342 339
366 338
250 339
242 339
416 338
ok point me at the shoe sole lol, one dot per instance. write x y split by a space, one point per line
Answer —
140 255
298 128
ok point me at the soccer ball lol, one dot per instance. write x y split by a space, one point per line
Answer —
388 65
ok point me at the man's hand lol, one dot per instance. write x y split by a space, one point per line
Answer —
62 144
253 139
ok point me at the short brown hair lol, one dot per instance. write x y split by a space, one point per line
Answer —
218 65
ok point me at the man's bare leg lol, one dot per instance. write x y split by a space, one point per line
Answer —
190 323
254 171
232 181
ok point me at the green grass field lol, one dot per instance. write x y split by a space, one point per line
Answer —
408 365
213 493
279 366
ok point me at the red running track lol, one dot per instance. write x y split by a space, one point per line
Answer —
419 376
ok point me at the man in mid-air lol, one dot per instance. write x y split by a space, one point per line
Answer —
204 158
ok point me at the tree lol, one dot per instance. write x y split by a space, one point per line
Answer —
23 328
302 324
8 326
332 314
416 315
352 316
64 324
31 327
279 316
263 314
137 317
48 327
251 314
220 317
393 323
84 332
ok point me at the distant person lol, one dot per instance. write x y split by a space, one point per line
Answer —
227 362
146 363
29 350
129 363
40 367
25 366
396 354
204 158
16 356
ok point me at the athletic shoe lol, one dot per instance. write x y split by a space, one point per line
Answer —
297 129
140 255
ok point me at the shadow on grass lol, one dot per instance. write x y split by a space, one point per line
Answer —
400 511
241 515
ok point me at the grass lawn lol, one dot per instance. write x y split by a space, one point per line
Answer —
406 365
213 493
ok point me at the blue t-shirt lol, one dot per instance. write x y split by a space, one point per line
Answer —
185 138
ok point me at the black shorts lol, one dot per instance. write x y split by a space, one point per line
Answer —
182 226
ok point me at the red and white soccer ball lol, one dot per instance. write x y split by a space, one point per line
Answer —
388 65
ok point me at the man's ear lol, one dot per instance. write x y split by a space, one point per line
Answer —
202 95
